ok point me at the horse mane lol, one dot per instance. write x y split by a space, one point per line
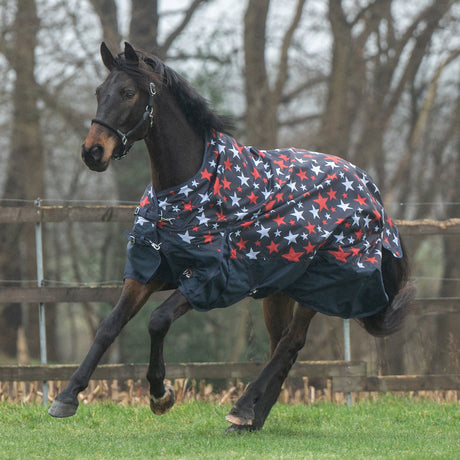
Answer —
194 106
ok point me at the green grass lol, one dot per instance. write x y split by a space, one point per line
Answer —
393 428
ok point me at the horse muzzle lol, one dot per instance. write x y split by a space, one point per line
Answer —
95 157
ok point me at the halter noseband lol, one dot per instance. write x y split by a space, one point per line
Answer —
148 113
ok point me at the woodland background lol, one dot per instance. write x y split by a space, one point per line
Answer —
376 82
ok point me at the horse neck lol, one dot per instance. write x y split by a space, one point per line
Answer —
175 149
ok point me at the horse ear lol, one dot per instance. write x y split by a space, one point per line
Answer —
107 57
131 55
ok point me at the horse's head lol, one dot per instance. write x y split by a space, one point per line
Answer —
124 111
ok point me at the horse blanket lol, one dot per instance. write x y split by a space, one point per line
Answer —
255 222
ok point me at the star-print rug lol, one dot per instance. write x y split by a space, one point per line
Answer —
255 222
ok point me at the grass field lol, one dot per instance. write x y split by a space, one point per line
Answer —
393 428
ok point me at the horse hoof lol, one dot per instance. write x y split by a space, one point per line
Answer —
160 406
62 409
240 417
240 429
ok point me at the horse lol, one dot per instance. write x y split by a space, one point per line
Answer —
340 254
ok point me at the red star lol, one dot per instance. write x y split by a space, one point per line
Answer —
187 206
255 174
359 234
310 227
226 183
279 196
279 220
247 224
228 164
280 164
242 244
322 202
233 254
302 175
273 247
332 194
361 200
377 215
220 215
269 205
208 238
310 248
206 174
292 256
340 255
355 251
372 260
144 202
217 187
253 198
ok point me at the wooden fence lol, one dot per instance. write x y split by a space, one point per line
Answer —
345 376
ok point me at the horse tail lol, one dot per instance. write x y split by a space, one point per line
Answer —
395 273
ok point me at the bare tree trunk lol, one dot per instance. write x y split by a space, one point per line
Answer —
25 176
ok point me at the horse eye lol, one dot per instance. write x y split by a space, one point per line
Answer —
128 94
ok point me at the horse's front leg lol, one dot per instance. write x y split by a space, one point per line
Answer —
161 393
133 297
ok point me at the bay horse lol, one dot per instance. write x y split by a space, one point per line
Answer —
221 221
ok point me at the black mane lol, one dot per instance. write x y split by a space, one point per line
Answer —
194 106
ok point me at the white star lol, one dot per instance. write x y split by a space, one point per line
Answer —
263 232
355 218
243 179
204 197
339 238
267 194
292 186
343 206
185 190
316 169
367 221
252 254
140 220
186 237
235 199
326 234
163 203
348 184
291 238
235 151
203 219
240 215
298 214
314 211
332 164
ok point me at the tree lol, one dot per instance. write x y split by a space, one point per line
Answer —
25 171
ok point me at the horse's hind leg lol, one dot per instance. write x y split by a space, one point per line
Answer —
161 393
251 410
133 297
278 311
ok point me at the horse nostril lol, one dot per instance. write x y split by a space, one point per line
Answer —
97 152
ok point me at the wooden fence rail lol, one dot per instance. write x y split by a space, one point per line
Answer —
345 376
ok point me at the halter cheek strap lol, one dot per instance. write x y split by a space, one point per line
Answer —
148 113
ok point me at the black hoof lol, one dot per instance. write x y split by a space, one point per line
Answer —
62 409
240 429
242 417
